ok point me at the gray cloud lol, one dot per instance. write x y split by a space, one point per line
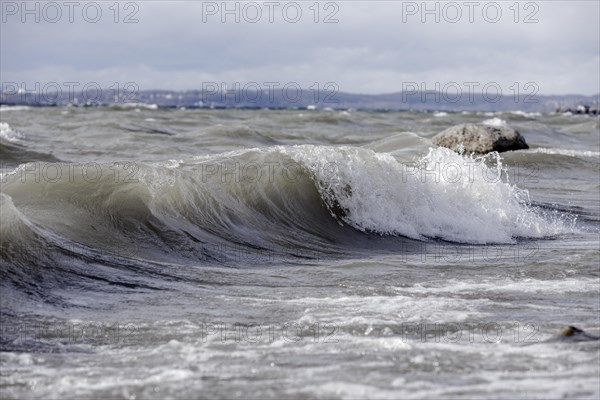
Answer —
371 49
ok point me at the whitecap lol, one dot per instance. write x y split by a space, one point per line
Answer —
7 133
442 195
4 108
566 152
494 122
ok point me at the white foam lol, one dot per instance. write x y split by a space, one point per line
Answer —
442 195
494 285
354 310
7 133
5 108
440 114
526 114
566 152
494 122
137 106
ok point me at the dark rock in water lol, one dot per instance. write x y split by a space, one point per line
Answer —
571 333
580 109
480 139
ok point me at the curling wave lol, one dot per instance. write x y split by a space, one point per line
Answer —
301 199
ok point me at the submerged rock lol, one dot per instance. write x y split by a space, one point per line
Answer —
575 334
572 334
480 139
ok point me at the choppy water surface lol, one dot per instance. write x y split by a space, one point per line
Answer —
170 253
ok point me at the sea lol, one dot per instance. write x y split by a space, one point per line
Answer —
166 253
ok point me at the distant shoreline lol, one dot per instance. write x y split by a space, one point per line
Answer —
307 99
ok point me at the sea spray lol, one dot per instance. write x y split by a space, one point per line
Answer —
442 195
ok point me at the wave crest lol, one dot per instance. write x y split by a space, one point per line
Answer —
290 199
443 195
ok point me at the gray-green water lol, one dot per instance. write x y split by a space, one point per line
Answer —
151 253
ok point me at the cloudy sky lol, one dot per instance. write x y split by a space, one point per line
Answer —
361 46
